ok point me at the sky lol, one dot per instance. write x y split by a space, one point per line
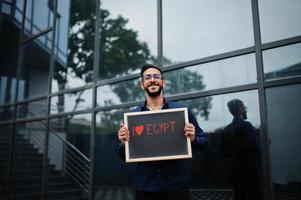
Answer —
197 29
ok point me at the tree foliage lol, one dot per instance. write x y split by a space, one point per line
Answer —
121 53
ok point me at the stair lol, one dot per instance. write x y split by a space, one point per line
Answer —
27 174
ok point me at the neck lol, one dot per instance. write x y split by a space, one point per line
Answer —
155 103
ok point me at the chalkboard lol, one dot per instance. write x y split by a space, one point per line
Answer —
157 135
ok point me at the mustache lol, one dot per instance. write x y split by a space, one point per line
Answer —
153 84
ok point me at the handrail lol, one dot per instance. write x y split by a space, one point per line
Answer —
72 160
62 139
69 155
72 146
83 163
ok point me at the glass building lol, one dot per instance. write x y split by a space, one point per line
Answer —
69 69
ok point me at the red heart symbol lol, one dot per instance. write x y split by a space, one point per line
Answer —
139 130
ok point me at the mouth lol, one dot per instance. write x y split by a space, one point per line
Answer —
153 88
153 84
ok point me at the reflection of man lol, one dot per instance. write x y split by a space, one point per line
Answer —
161 179
240 143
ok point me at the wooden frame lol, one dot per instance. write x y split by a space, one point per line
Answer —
183 141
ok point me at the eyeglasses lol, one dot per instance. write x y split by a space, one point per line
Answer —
149 77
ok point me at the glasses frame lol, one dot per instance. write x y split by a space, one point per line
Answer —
149 77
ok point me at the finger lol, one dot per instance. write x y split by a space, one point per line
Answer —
189 130
124 135
189 134
190 125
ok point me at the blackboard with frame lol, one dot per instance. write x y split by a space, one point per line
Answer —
157 135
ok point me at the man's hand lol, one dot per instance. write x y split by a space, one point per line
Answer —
189 131
123 134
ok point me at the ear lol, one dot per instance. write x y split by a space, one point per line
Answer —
141 84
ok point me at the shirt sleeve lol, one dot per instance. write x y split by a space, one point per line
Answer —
121 151
253 137
201 138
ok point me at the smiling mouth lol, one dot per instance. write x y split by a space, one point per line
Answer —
153 87
153 84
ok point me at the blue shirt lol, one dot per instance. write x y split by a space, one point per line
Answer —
155 176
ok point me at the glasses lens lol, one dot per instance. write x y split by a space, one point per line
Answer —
149 77
157 76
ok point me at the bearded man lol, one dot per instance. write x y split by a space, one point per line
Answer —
167 179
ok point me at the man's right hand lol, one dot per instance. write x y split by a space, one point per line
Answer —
123 134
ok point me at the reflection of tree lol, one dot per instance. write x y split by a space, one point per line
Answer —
120 50
187 79
120 53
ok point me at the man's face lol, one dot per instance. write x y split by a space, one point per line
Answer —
244 112
152 82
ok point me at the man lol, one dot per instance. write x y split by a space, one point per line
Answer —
161 180
240 143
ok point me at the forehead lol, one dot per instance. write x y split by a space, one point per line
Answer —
151 71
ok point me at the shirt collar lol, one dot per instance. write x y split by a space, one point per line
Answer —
165 105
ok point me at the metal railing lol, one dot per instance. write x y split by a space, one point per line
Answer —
61 153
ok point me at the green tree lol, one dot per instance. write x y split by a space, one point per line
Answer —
121 53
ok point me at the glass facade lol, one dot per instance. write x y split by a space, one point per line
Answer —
276 27
209 168
209 27
74 45
224 73
70 69
282 62
35 73
284 115
128 37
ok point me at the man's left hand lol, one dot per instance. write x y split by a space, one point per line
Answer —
189 131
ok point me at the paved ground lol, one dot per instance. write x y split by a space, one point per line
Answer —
125 193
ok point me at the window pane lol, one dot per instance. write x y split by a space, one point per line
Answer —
213 168
5 135
195 29
38 16
69 102
284 114
75 129
128 36
114 94
219 74
69 152
6 8
19 10
32 109
276 26
35 69
282 62
107 125
6 113
28 154
9 46
74 47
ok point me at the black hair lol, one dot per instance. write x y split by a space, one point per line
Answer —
147 66
234 105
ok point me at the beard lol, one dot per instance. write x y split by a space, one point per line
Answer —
244 115
154 94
